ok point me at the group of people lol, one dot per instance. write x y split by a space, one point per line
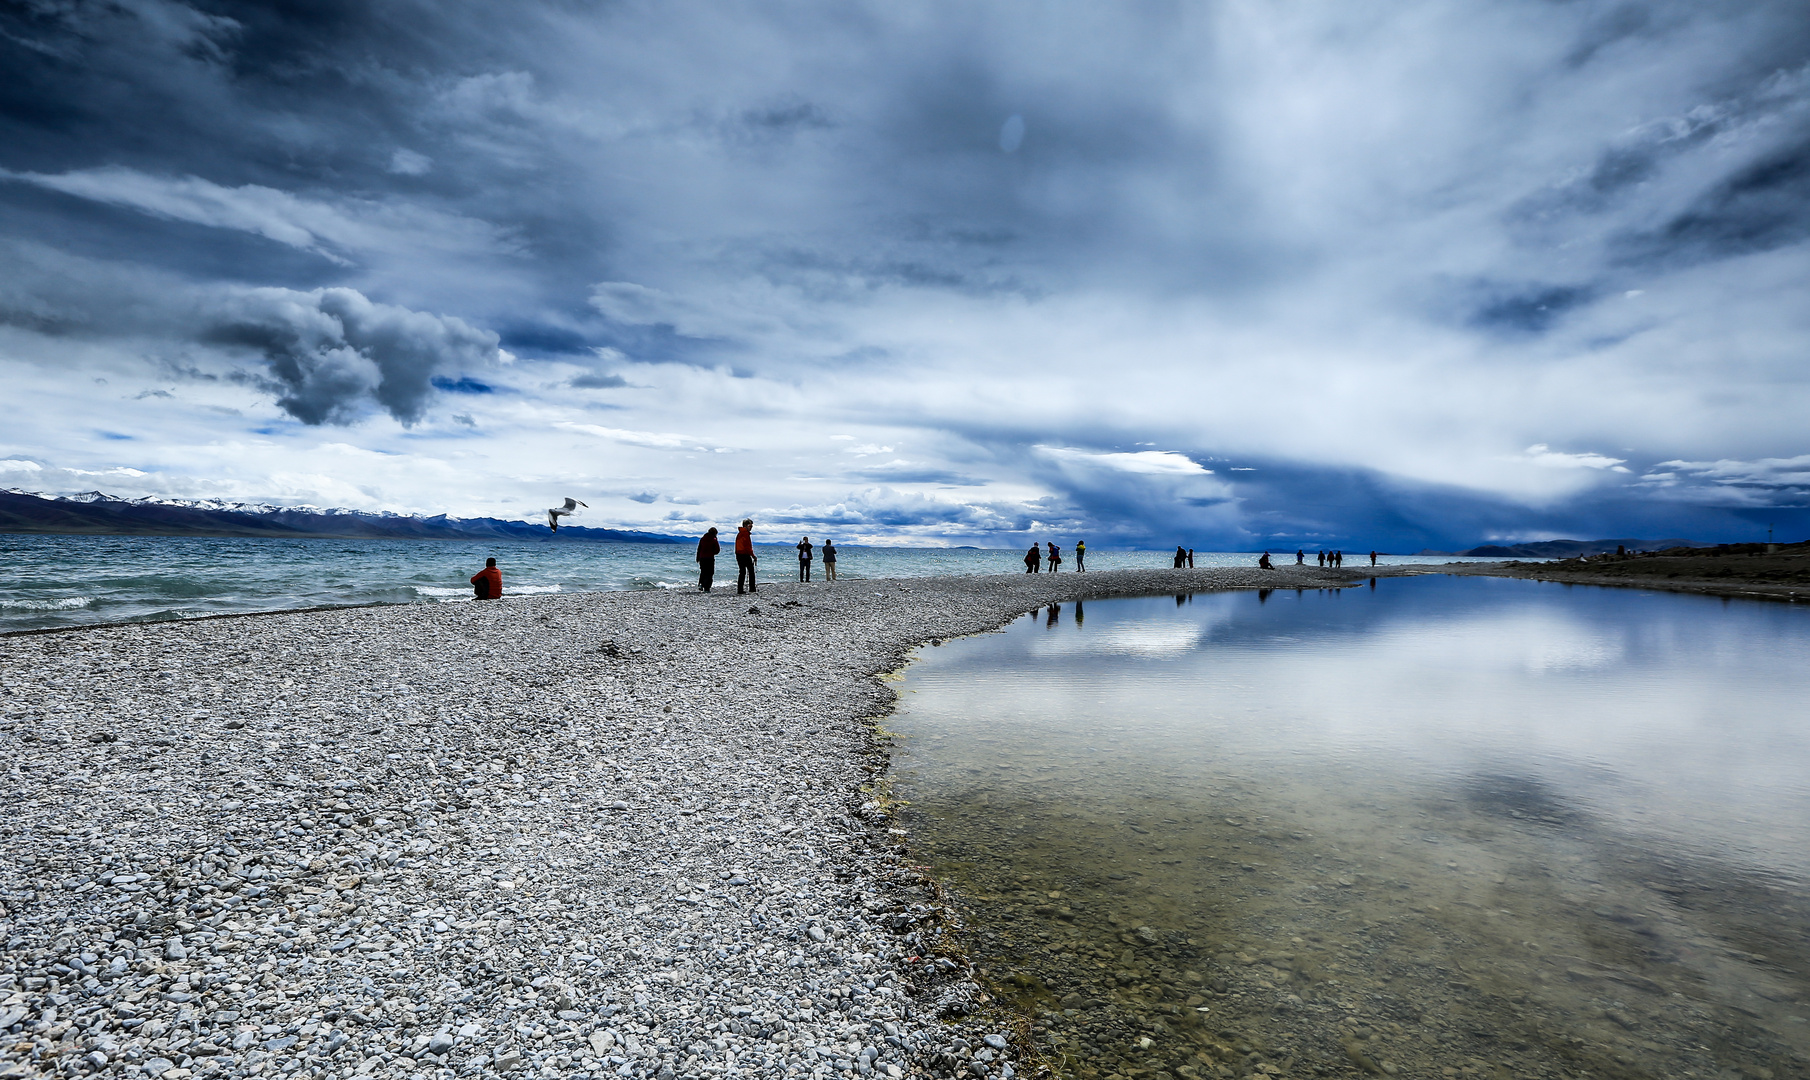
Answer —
1334 559
1035 559
487 584
745 559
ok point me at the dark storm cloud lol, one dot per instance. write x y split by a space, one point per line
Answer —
1528 311
598 381
332 352
1764 205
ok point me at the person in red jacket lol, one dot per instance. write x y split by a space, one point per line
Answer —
744 557
707 549
487 584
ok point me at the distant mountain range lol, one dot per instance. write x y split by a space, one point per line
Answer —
1564 549
95 513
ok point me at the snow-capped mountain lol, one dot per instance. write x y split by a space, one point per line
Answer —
97 512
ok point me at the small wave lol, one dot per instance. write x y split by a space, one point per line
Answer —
508 589
62 603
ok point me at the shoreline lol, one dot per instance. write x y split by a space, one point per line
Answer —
1778 592
553 835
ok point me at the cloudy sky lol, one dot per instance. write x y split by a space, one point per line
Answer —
1233 274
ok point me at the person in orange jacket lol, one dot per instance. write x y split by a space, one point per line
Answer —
487 584
744 557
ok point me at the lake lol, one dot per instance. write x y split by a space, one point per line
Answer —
59 581
1432 827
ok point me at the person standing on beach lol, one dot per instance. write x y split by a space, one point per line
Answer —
1300 556
1190 558
1055 557
744 557
804 559
1373 558
487 584
1264 562
1080 561
1033 560
829 561
1180 559
707 549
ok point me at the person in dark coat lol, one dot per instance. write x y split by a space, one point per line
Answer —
707 549
1033 560
1264 561
829 561
804 559
1054 559
1181 558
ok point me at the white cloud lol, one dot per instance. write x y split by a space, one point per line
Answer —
332 228
657 440
1546 457
1146 462
1768 482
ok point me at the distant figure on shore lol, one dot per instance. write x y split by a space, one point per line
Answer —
804 559
707 549
1055 557
1373 561
1181 558
829 561
1080 567
1264 562
1321 557
487 584
744 557
1300 556
1190 558
558 512
1033 560
1338 558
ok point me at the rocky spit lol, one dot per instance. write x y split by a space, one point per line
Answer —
607 834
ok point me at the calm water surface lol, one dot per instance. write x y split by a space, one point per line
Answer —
1443 827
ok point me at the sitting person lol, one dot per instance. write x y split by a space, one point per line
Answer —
487 584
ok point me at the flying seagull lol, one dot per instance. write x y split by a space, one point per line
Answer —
558 512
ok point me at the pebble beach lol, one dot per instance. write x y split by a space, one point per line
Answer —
628 834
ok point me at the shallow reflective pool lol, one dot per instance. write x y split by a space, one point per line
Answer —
1436 827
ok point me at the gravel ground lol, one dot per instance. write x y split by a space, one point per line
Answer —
630 834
